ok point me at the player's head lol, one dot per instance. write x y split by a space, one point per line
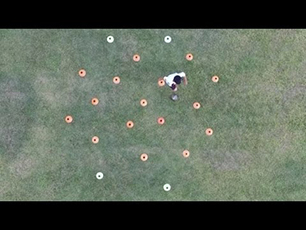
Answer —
173 87
177 79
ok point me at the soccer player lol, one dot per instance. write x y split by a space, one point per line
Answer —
174 79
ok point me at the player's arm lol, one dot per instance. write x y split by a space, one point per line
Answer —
185 80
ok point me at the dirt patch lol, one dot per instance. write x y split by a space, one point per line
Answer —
40 134
47 91
23 166
130 46
293 92
140 149
50 97
43 82
3 190
101 163
8 139
11 97
279 143
293 106
10 94
267 88
282 37
102 99
228 160
285 142
14 122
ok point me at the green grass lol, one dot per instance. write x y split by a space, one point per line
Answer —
257 112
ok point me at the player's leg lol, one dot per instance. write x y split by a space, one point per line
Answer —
185 80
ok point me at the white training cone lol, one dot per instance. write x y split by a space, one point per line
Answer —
167 39
167 187
110 39
99 175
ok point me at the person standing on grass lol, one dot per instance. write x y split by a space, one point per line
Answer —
174 79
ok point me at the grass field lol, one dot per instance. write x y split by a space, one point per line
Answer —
256 110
